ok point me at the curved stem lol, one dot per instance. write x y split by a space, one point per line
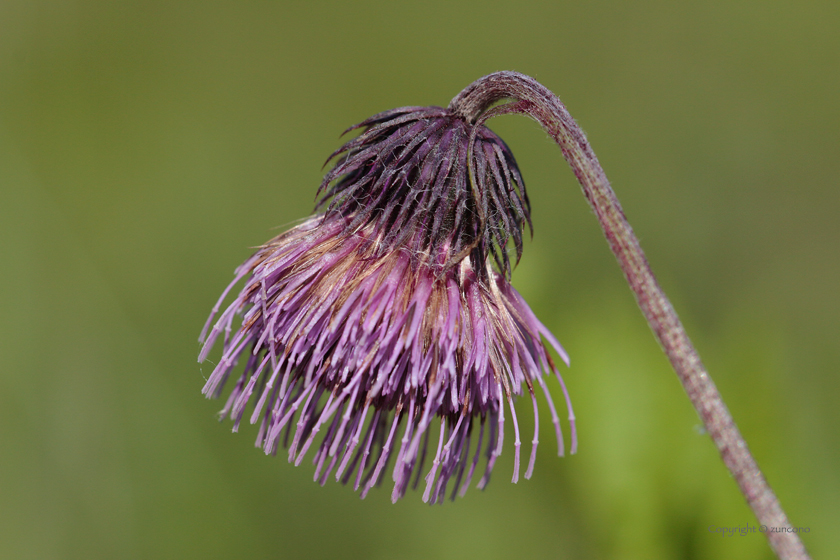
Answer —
536 101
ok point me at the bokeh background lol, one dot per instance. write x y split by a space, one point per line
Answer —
146 146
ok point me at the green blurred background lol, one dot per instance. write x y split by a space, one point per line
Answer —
145 146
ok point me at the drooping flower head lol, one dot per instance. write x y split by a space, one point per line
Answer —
384 330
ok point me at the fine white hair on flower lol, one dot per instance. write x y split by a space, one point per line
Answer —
368 329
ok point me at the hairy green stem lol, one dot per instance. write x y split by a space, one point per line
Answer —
531 98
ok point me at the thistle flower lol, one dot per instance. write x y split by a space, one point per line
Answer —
385 329
386 305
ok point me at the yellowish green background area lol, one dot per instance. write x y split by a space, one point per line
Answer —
145 147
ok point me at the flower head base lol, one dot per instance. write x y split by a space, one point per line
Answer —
369 327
